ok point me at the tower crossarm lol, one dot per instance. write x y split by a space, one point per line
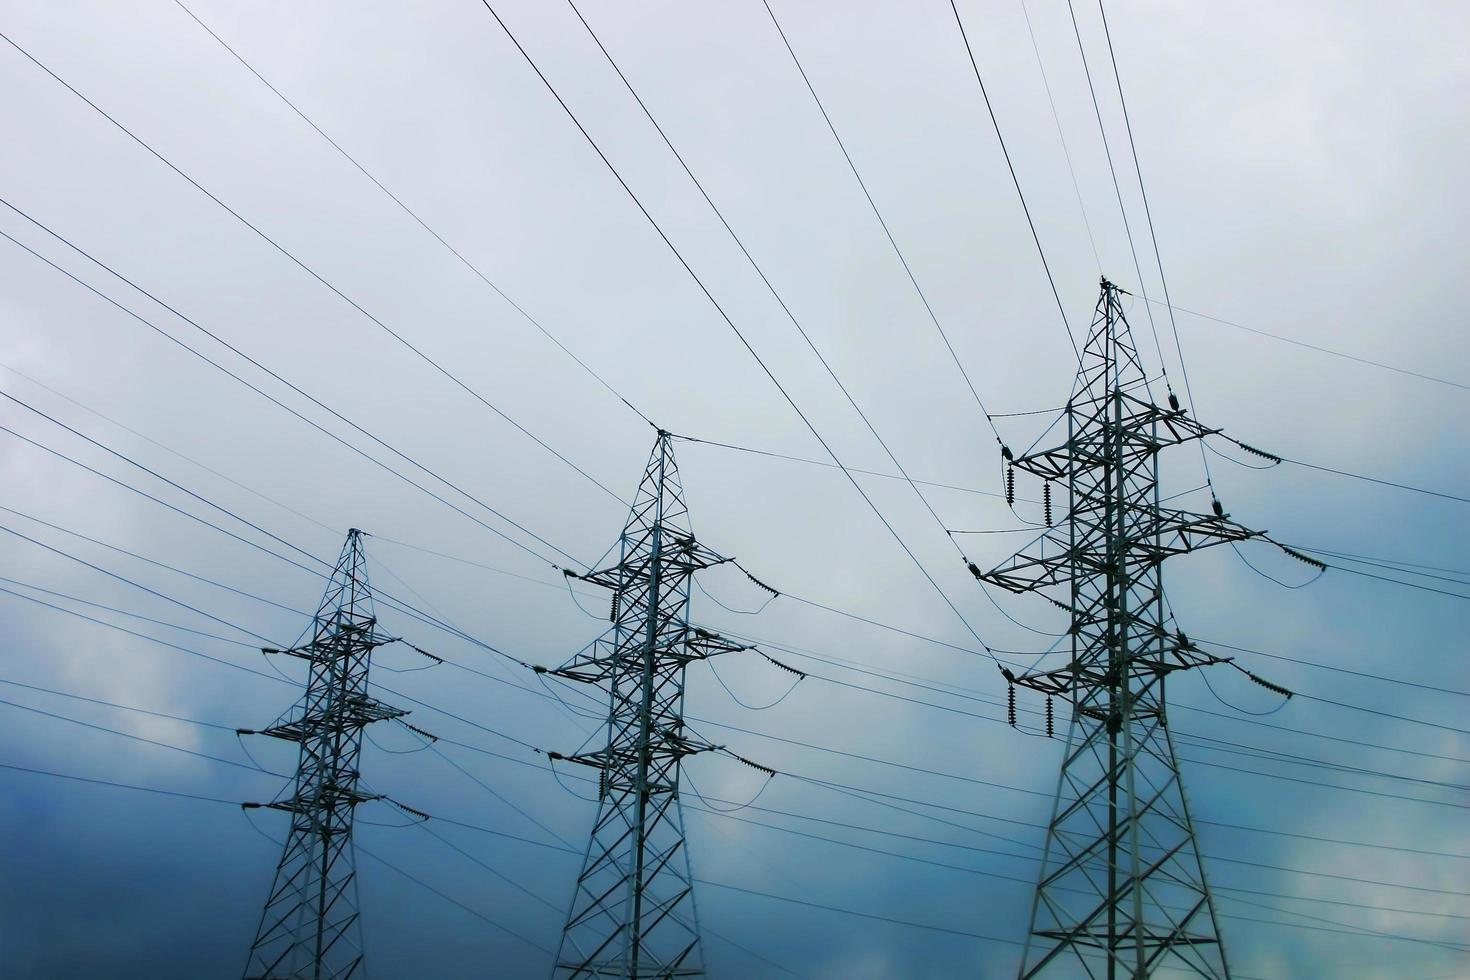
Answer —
678 554
1145 429
353 711
684 644
1159 533
1085 675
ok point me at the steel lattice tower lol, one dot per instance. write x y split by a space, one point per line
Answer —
309 928
632 915
1122 889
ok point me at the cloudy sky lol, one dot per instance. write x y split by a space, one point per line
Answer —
1304 166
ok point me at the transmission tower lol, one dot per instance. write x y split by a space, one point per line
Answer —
632 915
1122 890
309 928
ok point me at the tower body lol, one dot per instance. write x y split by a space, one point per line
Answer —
1122 890
633 914
309 928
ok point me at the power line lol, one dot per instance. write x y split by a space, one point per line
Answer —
1148 213
1014 179
171 451
137 585
831 372
1057 120
726 317
413 214
314 424
132 615
1118 192
888 232
1322 350
418 352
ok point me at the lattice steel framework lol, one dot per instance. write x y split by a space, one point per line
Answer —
633 914
309 928
1122 889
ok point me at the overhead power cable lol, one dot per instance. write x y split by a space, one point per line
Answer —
271 398
1118 193
893 458
137 585
1061 136
414 214
168 449
730 322
131 615
883 222
974 64
1369 362
402 340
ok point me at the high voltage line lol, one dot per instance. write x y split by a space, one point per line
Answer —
892 802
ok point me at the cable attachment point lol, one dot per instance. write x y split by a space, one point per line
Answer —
1259 452
424 653
1173 401
1216 506
1046 502
408 809
801 674
1005 451
754 765
759 583
1268 685
419 731
1321 566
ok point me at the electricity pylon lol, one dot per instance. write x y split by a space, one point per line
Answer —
1122 889
309 928
632 914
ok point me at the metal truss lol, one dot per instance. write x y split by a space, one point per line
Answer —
632 914
309 927
1122 889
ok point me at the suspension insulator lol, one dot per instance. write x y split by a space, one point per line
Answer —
1010 486
1046 501
613 614
1050 720
1011 704
601 783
